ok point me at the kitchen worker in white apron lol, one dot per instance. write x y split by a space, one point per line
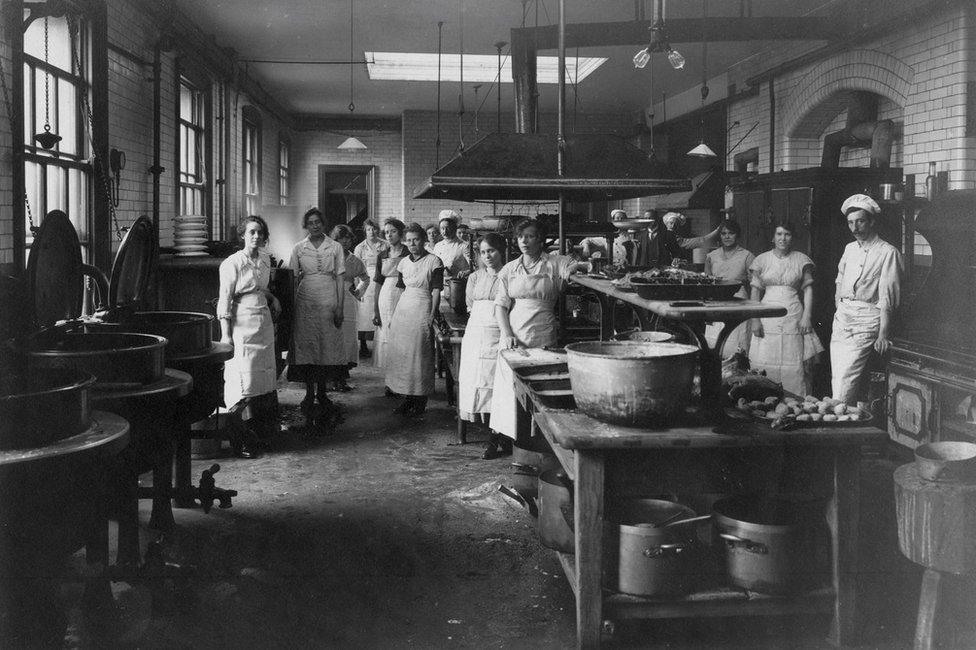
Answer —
318 264
452 250
367 251
385 300
868 292
244 308
479 347
410 368
525 308
354 282
730 262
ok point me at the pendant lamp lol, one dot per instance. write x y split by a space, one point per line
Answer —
47 139
351 143
702 150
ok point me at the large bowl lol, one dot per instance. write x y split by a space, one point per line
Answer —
644 336
946 461
630 383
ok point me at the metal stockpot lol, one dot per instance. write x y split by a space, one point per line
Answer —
623 382
650 561
769 546
44 406
116 359
529 460
555 507
456 296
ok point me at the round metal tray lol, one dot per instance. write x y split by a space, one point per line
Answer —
724 290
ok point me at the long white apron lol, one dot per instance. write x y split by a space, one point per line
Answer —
410 363
389 296
364 308
252 370
317 340
856 326
350 327
739 339
479 355
782 350
533 322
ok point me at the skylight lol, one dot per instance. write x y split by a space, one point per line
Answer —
422 66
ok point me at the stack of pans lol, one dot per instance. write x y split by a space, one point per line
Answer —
190 234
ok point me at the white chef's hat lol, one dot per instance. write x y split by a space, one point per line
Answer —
448 214
618 215
860 202
671 219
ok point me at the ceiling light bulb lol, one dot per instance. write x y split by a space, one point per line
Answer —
641 59
675 59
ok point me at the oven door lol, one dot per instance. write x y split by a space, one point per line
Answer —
909 408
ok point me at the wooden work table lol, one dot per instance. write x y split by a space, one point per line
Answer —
608 462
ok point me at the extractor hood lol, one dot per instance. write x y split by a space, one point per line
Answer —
522 167
707 192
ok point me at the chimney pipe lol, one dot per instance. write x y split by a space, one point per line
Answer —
863 130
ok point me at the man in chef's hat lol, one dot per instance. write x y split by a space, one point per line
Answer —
868 292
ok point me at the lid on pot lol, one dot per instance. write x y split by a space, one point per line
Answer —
763 511
54 272
135 263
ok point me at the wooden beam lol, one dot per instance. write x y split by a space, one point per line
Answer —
684 30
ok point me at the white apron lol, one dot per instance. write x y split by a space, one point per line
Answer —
855 329
389 295
317 339
367 253
410 367
350 327
739 339
782 350
252 369
479 355
504 406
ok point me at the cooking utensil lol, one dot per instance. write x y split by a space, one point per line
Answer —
629 383
644 336
555 497
684 522
529 459
722 290
42 407
946 461
114 358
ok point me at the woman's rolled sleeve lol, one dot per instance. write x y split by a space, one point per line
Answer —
225 296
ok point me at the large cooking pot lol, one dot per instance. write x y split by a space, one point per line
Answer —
187 332
644 336
645 560
530 459
456 297
45 406
770 544
116 359
555 506
629 383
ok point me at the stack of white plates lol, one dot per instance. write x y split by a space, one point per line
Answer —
189 235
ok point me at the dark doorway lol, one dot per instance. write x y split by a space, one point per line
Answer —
346 194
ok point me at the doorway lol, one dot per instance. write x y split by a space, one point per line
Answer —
346 195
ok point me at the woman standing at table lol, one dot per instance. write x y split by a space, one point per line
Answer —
479 347
410 368
367 251
245 307
785 347
525 309
731 263
385 298
355 280
318 264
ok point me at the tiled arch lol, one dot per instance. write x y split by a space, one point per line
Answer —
820 94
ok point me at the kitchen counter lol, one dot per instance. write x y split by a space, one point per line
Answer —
693 460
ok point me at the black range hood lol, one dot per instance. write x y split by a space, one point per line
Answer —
523 167
707 192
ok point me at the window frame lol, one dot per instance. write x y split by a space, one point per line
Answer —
250 161
284 168
201 125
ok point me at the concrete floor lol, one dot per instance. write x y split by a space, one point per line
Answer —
388 535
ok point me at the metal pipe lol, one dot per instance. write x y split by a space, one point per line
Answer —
156 169
772 125
560 138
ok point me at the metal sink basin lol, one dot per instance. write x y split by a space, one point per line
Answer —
115 359
44 406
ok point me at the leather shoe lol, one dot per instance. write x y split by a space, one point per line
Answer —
247 451
491 452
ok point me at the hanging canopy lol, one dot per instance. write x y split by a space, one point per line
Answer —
523 167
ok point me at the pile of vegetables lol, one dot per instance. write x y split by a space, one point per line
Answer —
808 409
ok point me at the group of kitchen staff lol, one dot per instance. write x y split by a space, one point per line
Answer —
786 347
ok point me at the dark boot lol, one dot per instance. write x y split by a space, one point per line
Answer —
492 449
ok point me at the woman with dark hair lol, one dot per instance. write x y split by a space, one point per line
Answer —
730 262
525 308
479 347
367 251
410 368
385 299
785 347
318 264
355 280
245 308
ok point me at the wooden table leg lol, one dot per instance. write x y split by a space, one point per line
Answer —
588 513
928 608
842 519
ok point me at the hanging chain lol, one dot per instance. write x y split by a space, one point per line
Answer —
352 106
98 163
47 81
10 119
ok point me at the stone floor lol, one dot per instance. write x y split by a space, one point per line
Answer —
386 534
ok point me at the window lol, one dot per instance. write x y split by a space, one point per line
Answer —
193 149
283 149
252 161
58 178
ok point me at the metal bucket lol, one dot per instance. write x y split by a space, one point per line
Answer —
529 460
633 384
555 507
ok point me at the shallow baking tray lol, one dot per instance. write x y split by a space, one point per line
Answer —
672 291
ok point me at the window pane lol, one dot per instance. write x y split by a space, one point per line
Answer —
28 104
186 101
78 202
67 118
59 49
57 190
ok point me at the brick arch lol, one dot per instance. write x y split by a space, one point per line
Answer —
820 94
